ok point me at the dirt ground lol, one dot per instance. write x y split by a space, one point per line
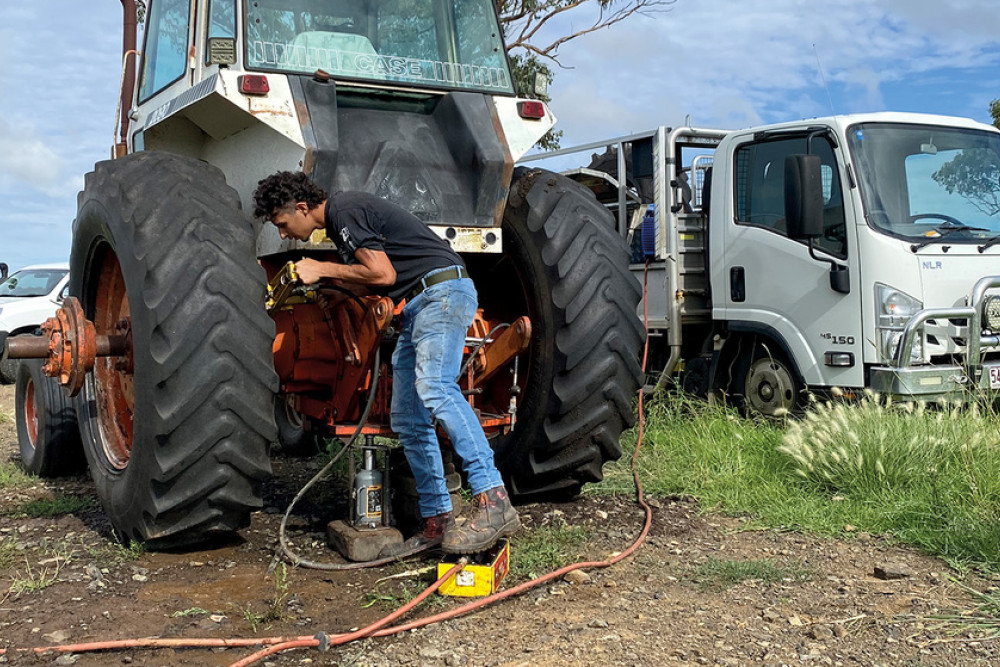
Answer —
664 606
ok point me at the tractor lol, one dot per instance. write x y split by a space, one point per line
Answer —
186 347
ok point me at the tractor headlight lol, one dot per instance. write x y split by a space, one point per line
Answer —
893 309
991 313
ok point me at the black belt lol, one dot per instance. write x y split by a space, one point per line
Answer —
454 273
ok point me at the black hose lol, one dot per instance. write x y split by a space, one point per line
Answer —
343 290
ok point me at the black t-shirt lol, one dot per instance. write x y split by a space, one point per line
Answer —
361 220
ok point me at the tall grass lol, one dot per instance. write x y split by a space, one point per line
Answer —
929 476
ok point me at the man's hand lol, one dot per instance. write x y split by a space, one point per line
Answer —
310 270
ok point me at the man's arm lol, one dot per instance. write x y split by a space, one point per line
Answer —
373 268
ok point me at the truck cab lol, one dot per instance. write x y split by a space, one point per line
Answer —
896 289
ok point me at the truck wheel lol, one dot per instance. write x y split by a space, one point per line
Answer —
583 362
46 424
766 383
176 434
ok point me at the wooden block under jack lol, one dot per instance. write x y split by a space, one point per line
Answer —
482 576
360 544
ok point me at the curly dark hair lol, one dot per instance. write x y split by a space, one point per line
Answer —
283 189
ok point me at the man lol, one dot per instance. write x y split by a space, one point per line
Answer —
390 251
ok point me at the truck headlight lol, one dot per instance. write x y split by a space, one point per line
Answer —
890 343
893 309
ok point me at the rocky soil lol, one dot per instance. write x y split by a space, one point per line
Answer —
800 600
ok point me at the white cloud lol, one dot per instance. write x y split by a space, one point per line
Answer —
27 158
59 74
976 19
732 64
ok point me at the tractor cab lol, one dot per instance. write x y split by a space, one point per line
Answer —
412 100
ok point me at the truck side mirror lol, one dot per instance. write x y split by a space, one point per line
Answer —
803 197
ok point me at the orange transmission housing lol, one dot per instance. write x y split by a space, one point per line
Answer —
324 354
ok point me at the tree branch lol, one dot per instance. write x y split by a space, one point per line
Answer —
524 18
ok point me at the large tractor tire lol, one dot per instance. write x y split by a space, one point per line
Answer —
8 371
583 361
46 424
176 434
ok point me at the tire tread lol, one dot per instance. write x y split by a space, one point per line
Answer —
597 341
203 392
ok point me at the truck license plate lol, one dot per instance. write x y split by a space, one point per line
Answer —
995 377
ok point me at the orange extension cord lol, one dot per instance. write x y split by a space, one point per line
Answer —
324 641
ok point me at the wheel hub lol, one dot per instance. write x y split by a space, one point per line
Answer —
770 387
70 345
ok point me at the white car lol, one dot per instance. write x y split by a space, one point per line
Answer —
27 298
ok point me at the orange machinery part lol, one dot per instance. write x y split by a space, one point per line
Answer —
327 348
324 352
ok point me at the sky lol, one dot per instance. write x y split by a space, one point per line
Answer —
712 63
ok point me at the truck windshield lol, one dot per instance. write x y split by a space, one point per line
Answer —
442 44
922 182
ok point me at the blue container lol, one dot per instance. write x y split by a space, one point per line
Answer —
649 233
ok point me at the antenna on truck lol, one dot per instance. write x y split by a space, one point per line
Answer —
822 77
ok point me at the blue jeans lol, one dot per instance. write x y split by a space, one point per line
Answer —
425 364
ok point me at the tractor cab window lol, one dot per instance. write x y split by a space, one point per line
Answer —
165 52
760 188
444 44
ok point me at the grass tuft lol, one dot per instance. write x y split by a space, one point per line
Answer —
720 574
545 549
57 506
32 579
9 546
114 553
13 477
275 609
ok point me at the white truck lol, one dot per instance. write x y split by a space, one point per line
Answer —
857 251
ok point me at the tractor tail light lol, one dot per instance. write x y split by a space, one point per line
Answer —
531 109
254 84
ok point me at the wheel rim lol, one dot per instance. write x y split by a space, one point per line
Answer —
770 387
113 382
30 414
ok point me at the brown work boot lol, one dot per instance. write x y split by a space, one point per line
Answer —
431 533
494 518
